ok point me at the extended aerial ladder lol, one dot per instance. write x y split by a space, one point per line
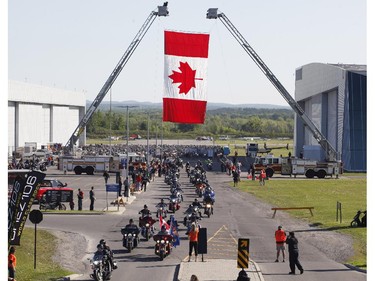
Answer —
161 11
331 154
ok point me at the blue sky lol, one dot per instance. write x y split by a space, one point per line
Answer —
76 44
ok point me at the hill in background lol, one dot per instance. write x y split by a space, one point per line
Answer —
105 105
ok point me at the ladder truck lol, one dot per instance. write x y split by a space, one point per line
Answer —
161 11
330 152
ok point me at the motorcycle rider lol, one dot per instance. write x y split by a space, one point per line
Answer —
197 204
163 230
131 227
106 250
145 212
161 204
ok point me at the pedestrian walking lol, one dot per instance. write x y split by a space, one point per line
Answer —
236 177
280 238
193 241
80 198
119 186
92 198
292 242
253 172
106 176
262 177
126 188
145 181
12 262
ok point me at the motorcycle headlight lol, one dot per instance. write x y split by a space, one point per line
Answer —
134 234
162 241
208 205
147 224
157 241
96 262
167 241
129 234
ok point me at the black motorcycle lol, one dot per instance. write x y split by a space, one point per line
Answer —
101 267
43 206
130 238
357 221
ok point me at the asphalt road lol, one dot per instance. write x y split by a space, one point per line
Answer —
236 215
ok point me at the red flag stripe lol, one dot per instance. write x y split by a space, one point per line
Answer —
184 111
186 44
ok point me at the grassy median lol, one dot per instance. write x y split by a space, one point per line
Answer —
46 269
323 195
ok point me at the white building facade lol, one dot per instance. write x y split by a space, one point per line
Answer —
42 115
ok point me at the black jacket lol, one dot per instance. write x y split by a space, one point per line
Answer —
292 244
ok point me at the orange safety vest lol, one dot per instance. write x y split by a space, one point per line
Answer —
280 236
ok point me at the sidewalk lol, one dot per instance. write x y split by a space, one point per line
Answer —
218 270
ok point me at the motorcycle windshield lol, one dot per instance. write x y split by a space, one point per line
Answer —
98 256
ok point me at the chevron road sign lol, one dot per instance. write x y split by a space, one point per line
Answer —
243 253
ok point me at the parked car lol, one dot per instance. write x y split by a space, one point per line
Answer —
50 184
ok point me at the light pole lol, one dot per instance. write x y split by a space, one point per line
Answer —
127 136
148 137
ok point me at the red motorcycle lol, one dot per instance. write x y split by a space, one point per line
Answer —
163 246
174 204
147 228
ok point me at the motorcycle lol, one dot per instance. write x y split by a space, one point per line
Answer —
359 222
147 228
192 215
209 164
174 203
101 267
43 205
208 209
162 211
130 238
199 189
163 246
177 192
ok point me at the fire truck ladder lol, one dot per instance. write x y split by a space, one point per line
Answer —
161 11
331 154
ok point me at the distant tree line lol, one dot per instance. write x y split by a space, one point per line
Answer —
236 122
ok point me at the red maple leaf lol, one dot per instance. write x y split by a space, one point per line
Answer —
186 77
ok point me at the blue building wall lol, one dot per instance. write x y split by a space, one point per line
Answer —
354 153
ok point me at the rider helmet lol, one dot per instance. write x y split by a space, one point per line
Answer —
102 242
145 206
196 200
163 228
162 201
131 221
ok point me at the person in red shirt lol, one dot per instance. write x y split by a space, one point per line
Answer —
193 241
280 238
12 262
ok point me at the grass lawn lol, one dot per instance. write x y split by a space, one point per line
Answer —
46 269
323 195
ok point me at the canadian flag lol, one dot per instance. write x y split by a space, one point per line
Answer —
163 222
185 77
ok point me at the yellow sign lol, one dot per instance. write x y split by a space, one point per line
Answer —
243 253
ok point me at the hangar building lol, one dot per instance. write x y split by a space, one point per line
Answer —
42 115
334 96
